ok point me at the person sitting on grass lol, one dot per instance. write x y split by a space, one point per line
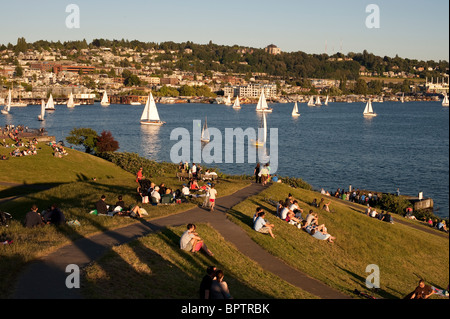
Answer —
194 185
205 285
311 219
190 241
219 288
56 216
296 209
33 218
442 226
422 291
262 226
101 206
280 206
288 215
167 198
156 197
255 217
120 203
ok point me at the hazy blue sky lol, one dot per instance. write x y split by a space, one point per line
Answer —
410 28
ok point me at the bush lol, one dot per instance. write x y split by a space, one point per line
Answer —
296 183
394 204
131 163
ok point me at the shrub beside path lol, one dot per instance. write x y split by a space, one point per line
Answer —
46 278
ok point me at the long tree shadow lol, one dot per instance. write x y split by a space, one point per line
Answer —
199 261
361 282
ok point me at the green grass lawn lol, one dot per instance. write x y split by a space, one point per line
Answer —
402 253
156 268
69 182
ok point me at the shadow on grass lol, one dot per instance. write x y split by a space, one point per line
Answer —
17 191
361 285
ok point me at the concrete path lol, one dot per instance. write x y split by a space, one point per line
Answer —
46 278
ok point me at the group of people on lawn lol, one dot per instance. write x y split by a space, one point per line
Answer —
290 212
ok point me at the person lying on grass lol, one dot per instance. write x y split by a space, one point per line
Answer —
190 241
321 233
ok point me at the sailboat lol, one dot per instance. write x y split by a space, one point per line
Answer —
50 106
237 104
7 107
262 104
445 100
311 101
105 101
70 102
368 111
326 101
228 101
205 133
261 142
150 114
42 115
318 102
295 110
402 99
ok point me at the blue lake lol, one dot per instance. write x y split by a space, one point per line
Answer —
406 146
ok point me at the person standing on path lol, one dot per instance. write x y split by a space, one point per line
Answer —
256 172
212 197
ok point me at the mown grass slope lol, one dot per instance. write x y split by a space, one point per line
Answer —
403 254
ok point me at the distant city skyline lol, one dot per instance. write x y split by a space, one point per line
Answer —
410 28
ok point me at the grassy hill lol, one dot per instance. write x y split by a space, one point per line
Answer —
403 254
74 182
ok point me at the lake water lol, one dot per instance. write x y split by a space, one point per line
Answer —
406 146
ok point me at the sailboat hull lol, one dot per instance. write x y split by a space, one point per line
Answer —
154 123
4 112
265 111
370 115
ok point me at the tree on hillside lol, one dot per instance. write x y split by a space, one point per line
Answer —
85 137
106 143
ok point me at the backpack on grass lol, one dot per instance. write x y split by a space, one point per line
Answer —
5 218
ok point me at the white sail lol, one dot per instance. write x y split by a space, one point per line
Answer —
311 101
50 104
8 104
105 101
262 105
326 101
237 103
150 114
445 101
368 111
228 100
295 110
318 102
265 128
205 132
7 107
70 102
403 98
42 115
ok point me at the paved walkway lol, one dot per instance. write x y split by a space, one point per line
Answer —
45 279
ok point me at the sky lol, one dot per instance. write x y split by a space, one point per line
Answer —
414 29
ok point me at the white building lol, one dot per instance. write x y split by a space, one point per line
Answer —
251 90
